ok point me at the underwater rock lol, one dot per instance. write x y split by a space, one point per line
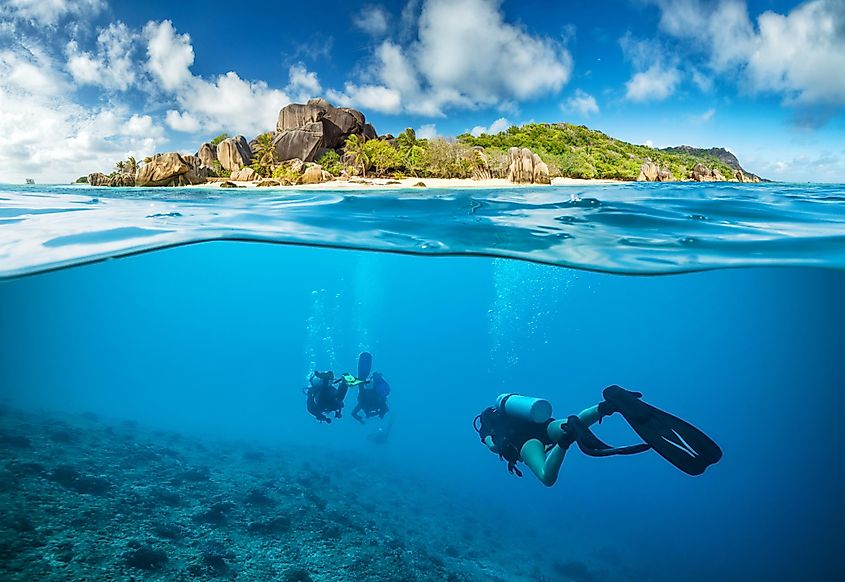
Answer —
146 558
216 514
14 441
70 478
195 475
271 527
259 497
167 531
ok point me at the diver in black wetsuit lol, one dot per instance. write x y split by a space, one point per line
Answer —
323 396
520 428
372 398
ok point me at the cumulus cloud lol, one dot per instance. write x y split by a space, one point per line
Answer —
500 125
111 66
170 55
657 74
465 55
226 102
581 103
49 12
374 97
46 135
799 55
372 20
182 121
427 131
303 84
654 84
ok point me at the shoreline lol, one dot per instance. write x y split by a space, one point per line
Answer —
411 183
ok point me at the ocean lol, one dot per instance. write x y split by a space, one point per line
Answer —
154 424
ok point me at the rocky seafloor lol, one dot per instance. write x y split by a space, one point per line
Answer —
84 498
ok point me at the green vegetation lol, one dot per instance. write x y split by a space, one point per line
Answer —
286 172
82 180
265 156
576 151
219 138
354 150
130 166
382 156
331 162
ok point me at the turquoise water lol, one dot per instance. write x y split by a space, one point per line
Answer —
196 356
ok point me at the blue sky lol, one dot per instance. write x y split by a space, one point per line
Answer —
86 82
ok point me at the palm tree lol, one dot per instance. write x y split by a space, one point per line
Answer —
354 148
131 165
120 167
265 155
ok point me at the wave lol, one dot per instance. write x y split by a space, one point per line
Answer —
633 228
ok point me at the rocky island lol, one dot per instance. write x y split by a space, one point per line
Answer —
317 142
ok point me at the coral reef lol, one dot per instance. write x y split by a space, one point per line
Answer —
82 498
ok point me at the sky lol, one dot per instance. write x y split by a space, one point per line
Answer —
84 83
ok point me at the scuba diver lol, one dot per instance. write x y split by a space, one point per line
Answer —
521 428
324 397
372 398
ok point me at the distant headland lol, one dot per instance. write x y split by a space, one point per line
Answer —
316 143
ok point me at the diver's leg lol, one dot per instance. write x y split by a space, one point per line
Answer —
589 416
545 467
355 413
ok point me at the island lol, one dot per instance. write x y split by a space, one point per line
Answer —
317 143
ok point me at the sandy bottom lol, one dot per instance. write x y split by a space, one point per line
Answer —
451 183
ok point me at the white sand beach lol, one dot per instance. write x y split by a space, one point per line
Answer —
388 184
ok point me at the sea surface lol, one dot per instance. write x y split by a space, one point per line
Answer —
153 422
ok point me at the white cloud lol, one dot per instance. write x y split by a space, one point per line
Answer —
374 97
581 103
182 121
498 126
464 55
225 103
303 84
49 12
427 131
799 55
657 74
654 84
112 66
170 55
373 20
47 136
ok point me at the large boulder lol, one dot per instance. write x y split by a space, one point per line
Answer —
315 174
298 115
207 154
98 179
305 143
244 175
701 173
526 167
234 153
305 130
651 172
170 169
122 180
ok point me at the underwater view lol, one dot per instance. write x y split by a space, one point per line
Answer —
422 291
156 419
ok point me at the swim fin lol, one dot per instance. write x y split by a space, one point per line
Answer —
365 364
676 440
590 444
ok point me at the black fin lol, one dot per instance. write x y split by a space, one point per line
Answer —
676 440
591 445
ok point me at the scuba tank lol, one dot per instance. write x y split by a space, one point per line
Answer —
525 407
